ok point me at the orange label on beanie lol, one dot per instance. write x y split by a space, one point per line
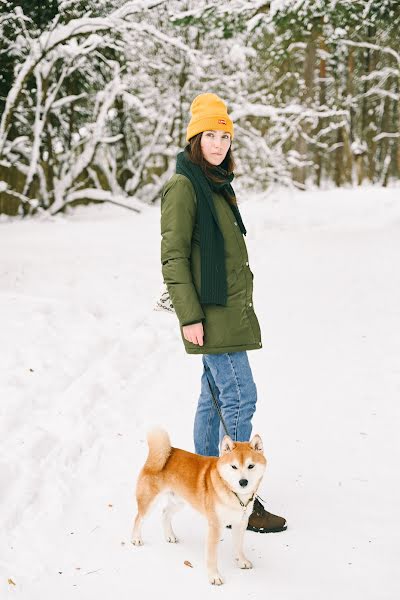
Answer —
221 122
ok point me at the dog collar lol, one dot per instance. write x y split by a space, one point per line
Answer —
242 504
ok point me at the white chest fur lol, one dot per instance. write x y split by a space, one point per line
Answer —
229 514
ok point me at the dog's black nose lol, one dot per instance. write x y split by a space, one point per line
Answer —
243 482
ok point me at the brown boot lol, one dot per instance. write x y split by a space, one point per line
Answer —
264 522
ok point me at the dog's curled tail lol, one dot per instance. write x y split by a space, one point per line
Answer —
159 449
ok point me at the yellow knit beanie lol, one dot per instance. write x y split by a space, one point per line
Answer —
208 112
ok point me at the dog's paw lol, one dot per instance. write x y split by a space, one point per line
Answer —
243 563
171 539
137 541
216 579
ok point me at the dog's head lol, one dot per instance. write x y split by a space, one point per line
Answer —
242 464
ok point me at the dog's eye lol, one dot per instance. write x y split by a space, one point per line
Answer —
251 466
234 466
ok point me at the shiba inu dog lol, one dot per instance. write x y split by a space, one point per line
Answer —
221 488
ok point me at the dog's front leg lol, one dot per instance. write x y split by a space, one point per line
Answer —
238 530
212 548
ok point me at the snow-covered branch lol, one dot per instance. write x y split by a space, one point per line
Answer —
117 21
269 111
112 90
99 195
384 49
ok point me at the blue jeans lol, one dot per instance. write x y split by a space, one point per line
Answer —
233 386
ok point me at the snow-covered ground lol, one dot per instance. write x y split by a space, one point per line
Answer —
87 367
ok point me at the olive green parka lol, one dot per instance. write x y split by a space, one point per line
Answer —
230 328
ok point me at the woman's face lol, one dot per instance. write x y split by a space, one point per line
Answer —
215 145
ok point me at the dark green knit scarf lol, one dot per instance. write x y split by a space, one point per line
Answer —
212 255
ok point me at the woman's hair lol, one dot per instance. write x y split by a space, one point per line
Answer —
196 156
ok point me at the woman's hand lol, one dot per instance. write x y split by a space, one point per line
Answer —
194 333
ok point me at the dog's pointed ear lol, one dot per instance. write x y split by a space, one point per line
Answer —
227 445
256 443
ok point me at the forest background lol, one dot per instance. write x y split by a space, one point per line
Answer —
95 94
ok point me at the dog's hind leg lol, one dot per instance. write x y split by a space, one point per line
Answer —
173 505
145 495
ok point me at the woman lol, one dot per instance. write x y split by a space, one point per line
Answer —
206 269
